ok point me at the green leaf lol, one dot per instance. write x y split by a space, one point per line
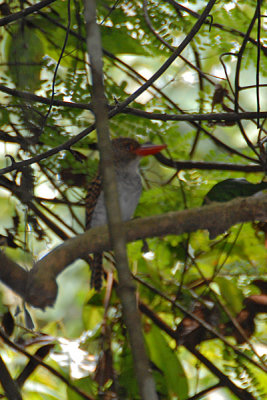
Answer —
25 52
119 41
166 360
86 385
231 293
232 188
93 311
127 378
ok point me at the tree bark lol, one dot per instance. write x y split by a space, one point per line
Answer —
38 286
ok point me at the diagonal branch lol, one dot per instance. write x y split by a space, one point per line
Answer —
126 102
223 379
37 360
39 286
9 385
24 13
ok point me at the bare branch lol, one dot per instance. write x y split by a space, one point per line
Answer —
223 379
179 165
180 7
10 387
38 360
41 291
211 117
24 13
126 287
41 353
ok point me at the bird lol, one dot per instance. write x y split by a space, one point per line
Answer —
127 153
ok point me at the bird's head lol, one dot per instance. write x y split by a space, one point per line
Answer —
127 149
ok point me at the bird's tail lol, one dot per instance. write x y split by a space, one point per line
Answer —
97 271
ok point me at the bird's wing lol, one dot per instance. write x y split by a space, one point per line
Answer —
96 263
93 192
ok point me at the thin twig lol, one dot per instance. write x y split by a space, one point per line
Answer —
38 360
57 66
203 323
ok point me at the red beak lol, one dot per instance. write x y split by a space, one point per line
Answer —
149 149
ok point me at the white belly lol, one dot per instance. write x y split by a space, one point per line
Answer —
129 190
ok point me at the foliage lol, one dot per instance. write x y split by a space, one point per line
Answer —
221 280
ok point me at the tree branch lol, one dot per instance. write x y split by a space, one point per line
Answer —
218 117
24 13
35 359
178 165
10 387
212 117
223 379
126 287
126 102
39 286
241 394
13 275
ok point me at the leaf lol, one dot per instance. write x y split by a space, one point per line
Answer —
93 311
231 188
8 323
25 52
28 319
231 294
166 360
119 41
86 385
127 377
